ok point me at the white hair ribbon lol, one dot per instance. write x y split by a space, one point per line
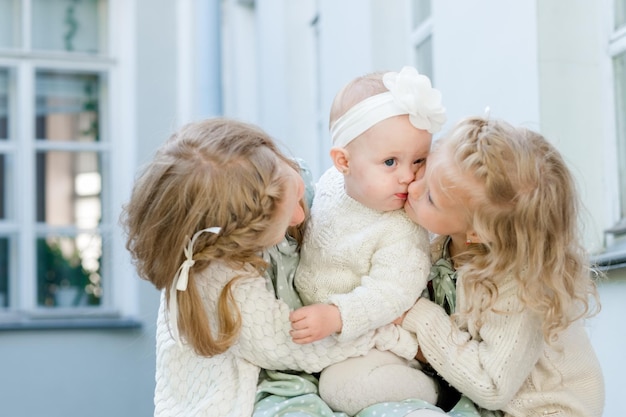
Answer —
409 93
181 280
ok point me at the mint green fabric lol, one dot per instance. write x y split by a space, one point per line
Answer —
442 277
283 261
293 395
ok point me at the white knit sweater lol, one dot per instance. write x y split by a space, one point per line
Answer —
188 385
373 265
506 365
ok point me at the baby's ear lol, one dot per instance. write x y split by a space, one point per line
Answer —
341 159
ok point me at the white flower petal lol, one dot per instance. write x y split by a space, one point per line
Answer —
414 93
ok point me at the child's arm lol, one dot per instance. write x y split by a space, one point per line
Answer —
265 338
489 367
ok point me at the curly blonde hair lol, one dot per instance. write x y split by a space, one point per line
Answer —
217 172
522 202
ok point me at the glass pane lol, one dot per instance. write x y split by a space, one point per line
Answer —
421 12
68 271
424 57
620 13
4 103
67 106
9 27
69 189
4 271
66 25
619 63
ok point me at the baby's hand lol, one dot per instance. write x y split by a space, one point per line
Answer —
314 322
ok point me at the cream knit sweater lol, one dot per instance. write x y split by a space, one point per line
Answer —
372 265
506 365
188 385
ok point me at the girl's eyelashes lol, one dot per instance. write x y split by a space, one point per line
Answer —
420 161
430 199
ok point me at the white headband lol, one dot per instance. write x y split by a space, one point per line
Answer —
409 93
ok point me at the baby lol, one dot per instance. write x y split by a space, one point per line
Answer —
364 262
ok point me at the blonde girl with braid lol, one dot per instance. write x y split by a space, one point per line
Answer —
217 195
510 269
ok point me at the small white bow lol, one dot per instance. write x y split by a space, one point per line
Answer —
181 280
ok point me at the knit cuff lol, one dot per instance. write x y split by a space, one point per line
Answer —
423 308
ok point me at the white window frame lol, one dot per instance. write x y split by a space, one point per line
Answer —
117 125
421 33
616 47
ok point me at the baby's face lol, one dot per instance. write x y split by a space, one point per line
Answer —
384 160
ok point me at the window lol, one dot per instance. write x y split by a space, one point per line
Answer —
56 158
617 50
68 187
421 36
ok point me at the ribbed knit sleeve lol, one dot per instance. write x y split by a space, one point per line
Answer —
489 365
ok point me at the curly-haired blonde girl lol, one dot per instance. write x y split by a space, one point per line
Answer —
217 195
505 207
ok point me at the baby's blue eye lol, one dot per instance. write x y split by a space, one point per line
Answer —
390 162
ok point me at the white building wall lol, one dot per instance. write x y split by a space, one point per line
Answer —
574 102
239 62
485 54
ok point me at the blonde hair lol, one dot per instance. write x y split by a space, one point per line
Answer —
524 205
356 91
217 172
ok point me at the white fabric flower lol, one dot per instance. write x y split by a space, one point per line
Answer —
414 92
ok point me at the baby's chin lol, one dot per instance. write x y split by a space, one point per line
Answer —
397 204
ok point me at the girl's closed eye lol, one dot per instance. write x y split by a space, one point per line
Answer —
420 161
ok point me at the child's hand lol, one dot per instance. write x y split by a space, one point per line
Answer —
314 322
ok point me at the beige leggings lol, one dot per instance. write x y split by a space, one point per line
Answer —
356 383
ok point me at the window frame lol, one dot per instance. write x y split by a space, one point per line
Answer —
617 47
421 33
614 254
115 67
